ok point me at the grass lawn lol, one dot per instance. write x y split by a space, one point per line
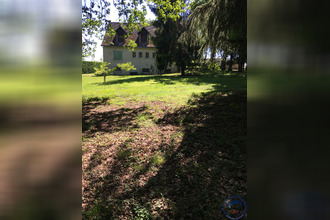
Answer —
169 88
163 147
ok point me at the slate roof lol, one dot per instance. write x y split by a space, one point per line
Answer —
134 36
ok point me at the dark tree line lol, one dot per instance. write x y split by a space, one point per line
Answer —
218 26
170 48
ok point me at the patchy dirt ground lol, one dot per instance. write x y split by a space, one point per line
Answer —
152 161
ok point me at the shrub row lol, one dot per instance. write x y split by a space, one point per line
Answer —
88 66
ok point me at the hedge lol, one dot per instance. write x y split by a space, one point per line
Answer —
88 66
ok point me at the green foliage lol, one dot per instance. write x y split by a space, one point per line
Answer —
169 9
88 66
165 41
140 212
195 3
103 69
212 65
220 26
170 47
157 159
98 212
130 45
126 66
95 18
94 22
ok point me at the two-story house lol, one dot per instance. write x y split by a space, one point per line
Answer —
144 55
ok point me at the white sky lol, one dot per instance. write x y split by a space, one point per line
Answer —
115 18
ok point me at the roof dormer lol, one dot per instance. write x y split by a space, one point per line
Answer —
120 36
143 38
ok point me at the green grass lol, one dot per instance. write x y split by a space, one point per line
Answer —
172 88
157 160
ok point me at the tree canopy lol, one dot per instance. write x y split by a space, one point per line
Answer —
220 25
95 17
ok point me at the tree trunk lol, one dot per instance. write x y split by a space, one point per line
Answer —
240 65
182 70
230 66
240 69
223 64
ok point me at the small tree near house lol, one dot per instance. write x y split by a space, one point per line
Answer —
103 70
126 66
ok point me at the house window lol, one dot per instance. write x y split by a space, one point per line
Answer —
117 55
147 55
133 54
153 55
144 38
140 54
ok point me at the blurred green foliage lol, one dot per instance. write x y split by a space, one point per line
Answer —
88 66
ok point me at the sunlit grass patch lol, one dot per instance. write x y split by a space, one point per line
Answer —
98 211
157 159
172 88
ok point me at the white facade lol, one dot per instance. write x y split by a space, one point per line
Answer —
144 60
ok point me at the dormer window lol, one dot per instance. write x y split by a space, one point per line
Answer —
144 38
121 38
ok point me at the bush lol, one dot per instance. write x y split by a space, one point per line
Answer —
126 66
103 70
212 65
88 66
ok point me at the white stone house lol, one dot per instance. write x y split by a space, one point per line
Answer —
144 55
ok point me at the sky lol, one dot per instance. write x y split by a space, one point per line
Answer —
115 18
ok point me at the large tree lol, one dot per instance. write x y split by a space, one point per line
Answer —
165 42
170 49
221 24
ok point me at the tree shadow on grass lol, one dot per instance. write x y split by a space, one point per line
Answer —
172 80
106 197
208 166
109 121
210 163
